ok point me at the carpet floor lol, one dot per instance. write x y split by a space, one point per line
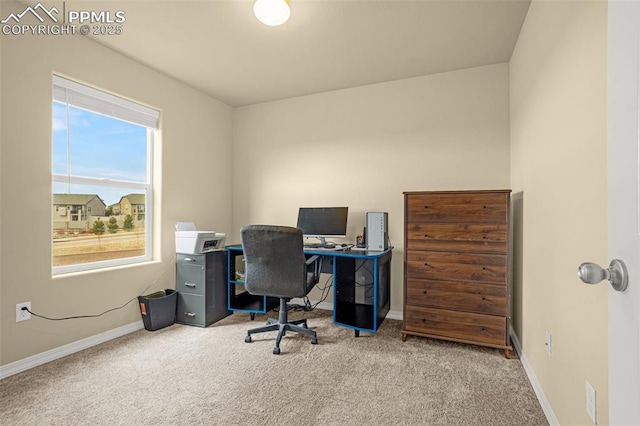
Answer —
183 375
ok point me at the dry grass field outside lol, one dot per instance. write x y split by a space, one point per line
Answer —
94 249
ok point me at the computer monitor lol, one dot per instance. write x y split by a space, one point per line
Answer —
323 222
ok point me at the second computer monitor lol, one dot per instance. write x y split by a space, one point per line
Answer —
323 222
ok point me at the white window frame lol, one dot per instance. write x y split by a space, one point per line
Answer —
101 102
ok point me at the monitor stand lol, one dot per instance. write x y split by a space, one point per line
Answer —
325 244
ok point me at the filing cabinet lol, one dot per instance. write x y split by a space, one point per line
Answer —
201 283
457 266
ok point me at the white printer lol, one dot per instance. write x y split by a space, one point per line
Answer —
191 241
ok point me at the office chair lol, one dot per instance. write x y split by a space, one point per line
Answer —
275 265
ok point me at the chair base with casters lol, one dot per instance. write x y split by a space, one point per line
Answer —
282 325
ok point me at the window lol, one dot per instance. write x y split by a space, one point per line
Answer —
102 151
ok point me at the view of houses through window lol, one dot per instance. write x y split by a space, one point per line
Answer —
86 230
101 192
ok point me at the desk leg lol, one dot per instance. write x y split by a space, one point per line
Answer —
357 333
253 315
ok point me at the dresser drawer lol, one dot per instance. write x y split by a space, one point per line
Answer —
190 278
433 265
488 238
457 295
453 207
464 326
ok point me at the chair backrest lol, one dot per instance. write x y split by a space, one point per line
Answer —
274 261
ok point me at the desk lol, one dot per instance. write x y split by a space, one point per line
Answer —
361 287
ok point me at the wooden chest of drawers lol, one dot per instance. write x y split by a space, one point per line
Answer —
457 266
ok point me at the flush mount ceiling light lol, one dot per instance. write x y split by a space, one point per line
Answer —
272 12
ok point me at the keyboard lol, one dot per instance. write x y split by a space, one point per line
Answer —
337 247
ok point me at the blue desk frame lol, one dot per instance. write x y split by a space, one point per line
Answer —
361 287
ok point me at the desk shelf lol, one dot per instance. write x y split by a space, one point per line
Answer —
362 290
356 315
246 302
239 300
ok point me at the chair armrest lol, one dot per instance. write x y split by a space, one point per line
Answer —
312 259
317 261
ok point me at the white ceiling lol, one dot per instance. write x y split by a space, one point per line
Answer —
220 48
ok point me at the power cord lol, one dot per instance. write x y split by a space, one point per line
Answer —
296 307
24 308
308 307
325 291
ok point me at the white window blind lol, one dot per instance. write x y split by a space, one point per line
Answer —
91 99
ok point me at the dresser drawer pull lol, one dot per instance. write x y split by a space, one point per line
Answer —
482 328
424 292
484 298
189 314
192 285
189 259
427 265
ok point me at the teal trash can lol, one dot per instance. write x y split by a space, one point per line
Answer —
158 309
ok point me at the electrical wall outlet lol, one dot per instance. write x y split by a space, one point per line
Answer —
591 402
547 343
22 315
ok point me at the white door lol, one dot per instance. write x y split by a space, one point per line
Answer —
623 112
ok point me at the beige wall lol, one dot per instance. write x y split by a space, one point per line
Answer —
360 147
558 164
195 135
363 147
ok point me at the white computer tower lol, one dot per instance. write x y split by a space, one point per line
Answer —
377 238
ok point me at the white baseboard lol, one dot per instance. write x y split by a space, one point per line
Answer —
395 315
546 407
53 354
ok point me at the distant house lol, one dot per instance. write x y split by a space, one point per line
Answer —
114 209
133 204
76 207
